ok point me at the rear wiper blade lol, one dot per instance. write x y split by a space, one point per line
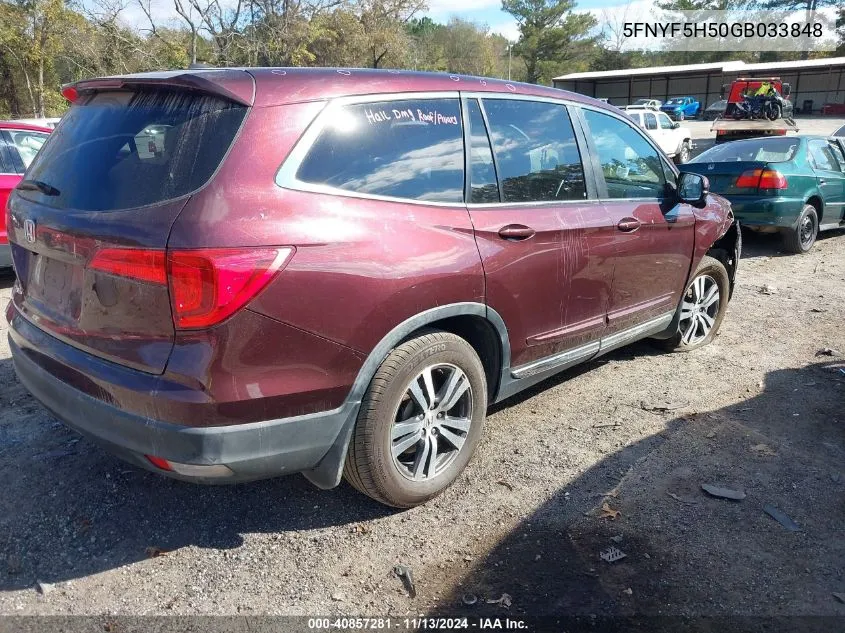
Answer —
38 185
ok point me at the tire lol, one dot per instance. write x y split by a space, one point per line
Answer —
386 464
683 155
801 239
680 116
691 334
774 112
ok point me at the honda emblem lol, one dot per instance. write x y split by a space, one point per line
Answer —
29 231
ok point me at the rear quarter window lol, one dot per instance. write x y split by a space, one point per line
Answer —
120 150
411 149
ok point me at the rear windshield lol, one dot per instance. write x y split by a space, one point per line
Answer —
120 150
773 150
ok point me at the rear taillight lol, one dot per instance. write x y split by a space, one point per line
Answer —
209 285
761 179
135 263
206 285
749 179
772 179
70 93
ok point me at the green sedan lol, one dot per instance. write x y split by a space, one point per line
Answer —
793 185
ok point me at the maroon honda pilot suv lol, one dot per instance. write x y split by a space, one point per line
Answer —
232 274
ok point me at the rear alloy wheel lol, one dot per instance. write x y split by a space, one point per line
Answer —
420 421
683 154
801 239
680 116
702 308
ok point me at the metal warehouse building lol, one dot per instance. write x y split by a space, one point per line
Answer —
821 81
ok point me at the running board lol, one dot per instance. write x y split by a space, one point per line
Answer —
620 339
558 362
564 360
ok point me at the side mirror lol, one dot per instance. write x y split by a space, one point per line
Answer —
693 188
787 90
675 125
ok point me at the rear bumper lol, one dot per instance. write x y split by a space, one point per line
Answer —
754 211
251 451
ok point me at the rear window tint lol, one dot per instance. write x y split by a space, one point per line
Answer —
409 149
120 150
774 150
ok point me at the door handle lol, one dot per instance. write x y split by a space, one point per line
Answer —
822 181
516 232
628 225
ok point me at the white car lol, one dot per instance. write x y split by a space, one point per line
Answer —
673 139
644 104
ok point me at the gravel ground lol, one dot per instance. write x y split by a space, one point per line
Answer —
758 410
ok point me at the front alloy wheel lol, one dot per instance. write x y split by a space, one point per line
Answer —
699 310
702 308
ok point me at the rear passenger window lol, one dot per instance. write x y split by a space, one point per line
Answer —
650 121
410 149
631 166
27 143
837 153
484 186
536 154
823 156
7 164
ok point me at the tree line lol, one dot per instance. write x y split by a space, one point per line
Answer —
47 43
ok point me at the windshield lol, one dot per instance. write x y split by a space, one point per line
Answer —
674 102
774 150
641 102
120 150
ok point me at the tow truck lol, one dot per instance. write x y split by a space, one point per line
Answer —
729 127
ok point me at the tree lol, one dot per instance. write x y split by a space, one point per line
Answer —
551 36
384 23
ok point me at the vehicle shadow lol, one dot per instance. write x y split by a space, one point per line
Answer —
686 553
771 245
76 510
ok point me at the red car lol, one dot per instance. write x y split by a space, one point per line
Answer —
337 271
19 142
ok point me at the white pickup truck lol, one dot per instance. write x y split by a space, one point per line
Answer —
672 138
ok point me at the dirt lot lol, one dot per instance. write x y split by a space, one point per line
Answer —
758 410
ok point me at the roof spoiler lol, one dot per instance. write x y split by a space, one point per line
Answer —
235 85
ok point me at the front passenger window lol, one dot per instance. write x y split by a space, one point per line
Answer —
632 168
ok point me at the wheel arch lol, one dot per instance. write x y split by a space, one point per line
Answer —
815 201
728 249
477 323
